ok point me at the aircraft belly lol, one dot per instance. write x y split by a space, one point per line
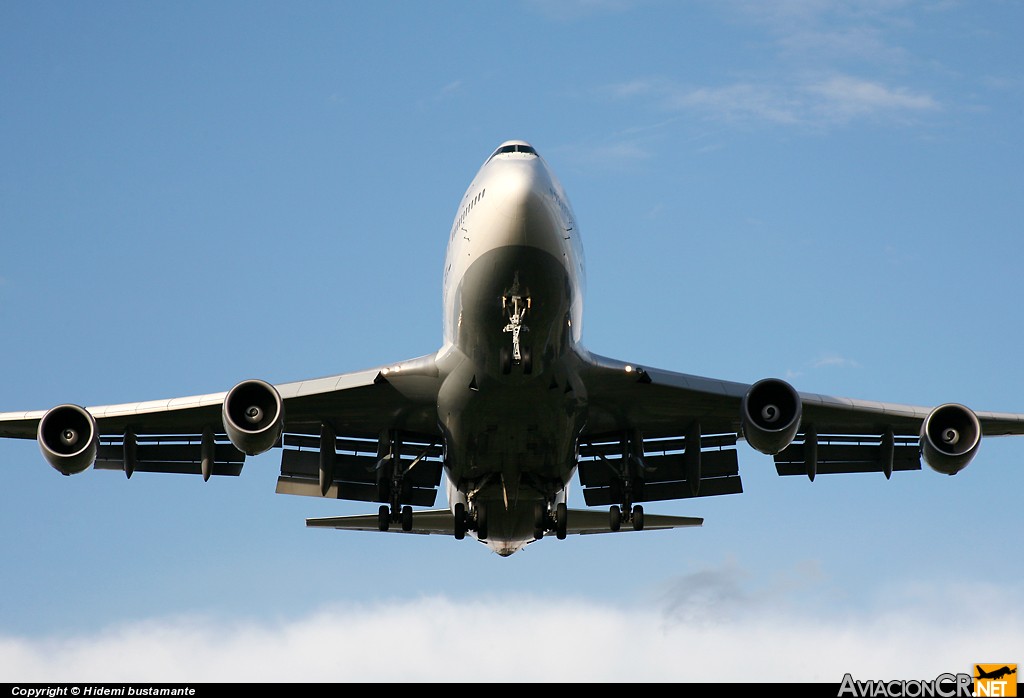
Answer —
503 420
509 529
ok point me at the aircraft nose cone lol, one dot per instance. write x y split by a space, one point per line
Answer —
523 204
518 191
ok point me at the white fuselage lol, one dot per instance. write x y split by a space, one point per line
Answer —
511 405
514 201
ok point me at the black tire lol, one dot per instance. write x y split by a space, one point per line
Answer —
527 360
614 518
407 518
540 519
638 518
481 522
505 357
561 520
540 516
384 517
460 520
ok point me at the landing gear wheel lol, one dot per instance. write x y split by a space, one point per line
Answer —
540 520
460 520
638 518
505 358
481 522
527 360
407 518
614 518
561 521
384 517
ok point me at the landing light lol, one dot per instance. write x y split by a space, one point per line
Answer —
629 369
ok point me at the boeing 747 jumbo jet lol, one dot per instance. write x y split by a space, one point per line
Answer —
510 407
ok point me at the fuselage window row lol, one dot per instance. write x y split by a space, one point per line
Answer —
465 211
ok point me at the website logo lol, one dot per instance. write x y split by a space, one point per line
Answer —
995 680
942 686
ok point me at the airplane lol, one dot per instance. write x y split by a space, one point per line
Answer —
510 408
994 675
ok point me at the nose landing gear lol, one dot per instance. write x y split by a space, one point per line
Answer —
516 307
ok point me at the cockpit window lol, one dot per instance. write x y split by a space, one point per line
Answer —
515 148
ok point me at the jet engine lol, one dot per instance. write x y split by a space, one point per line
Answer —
68 439
950 437
253 416
770 415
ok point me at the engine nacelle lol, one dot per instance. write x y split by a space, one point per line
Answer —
770 415
950 437
253 416
68 439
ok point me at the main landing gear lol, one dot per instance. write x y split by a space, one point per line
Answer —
545 520
635 516
628 472
385 517
391 483
470 521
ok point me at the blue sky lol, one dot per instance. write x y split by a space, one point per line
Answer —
196 193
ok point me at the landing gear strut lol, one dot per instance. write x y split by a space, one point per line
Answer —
628 471
516 307
481 522
391 484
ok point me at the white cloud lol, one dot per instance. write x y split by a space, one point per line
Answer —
710 625
817 30
819 102
453 86
738 102
842 98
813 54
639 87
834 361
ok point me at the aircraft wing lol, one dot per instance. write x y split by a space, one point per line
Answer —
365 413
672 435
